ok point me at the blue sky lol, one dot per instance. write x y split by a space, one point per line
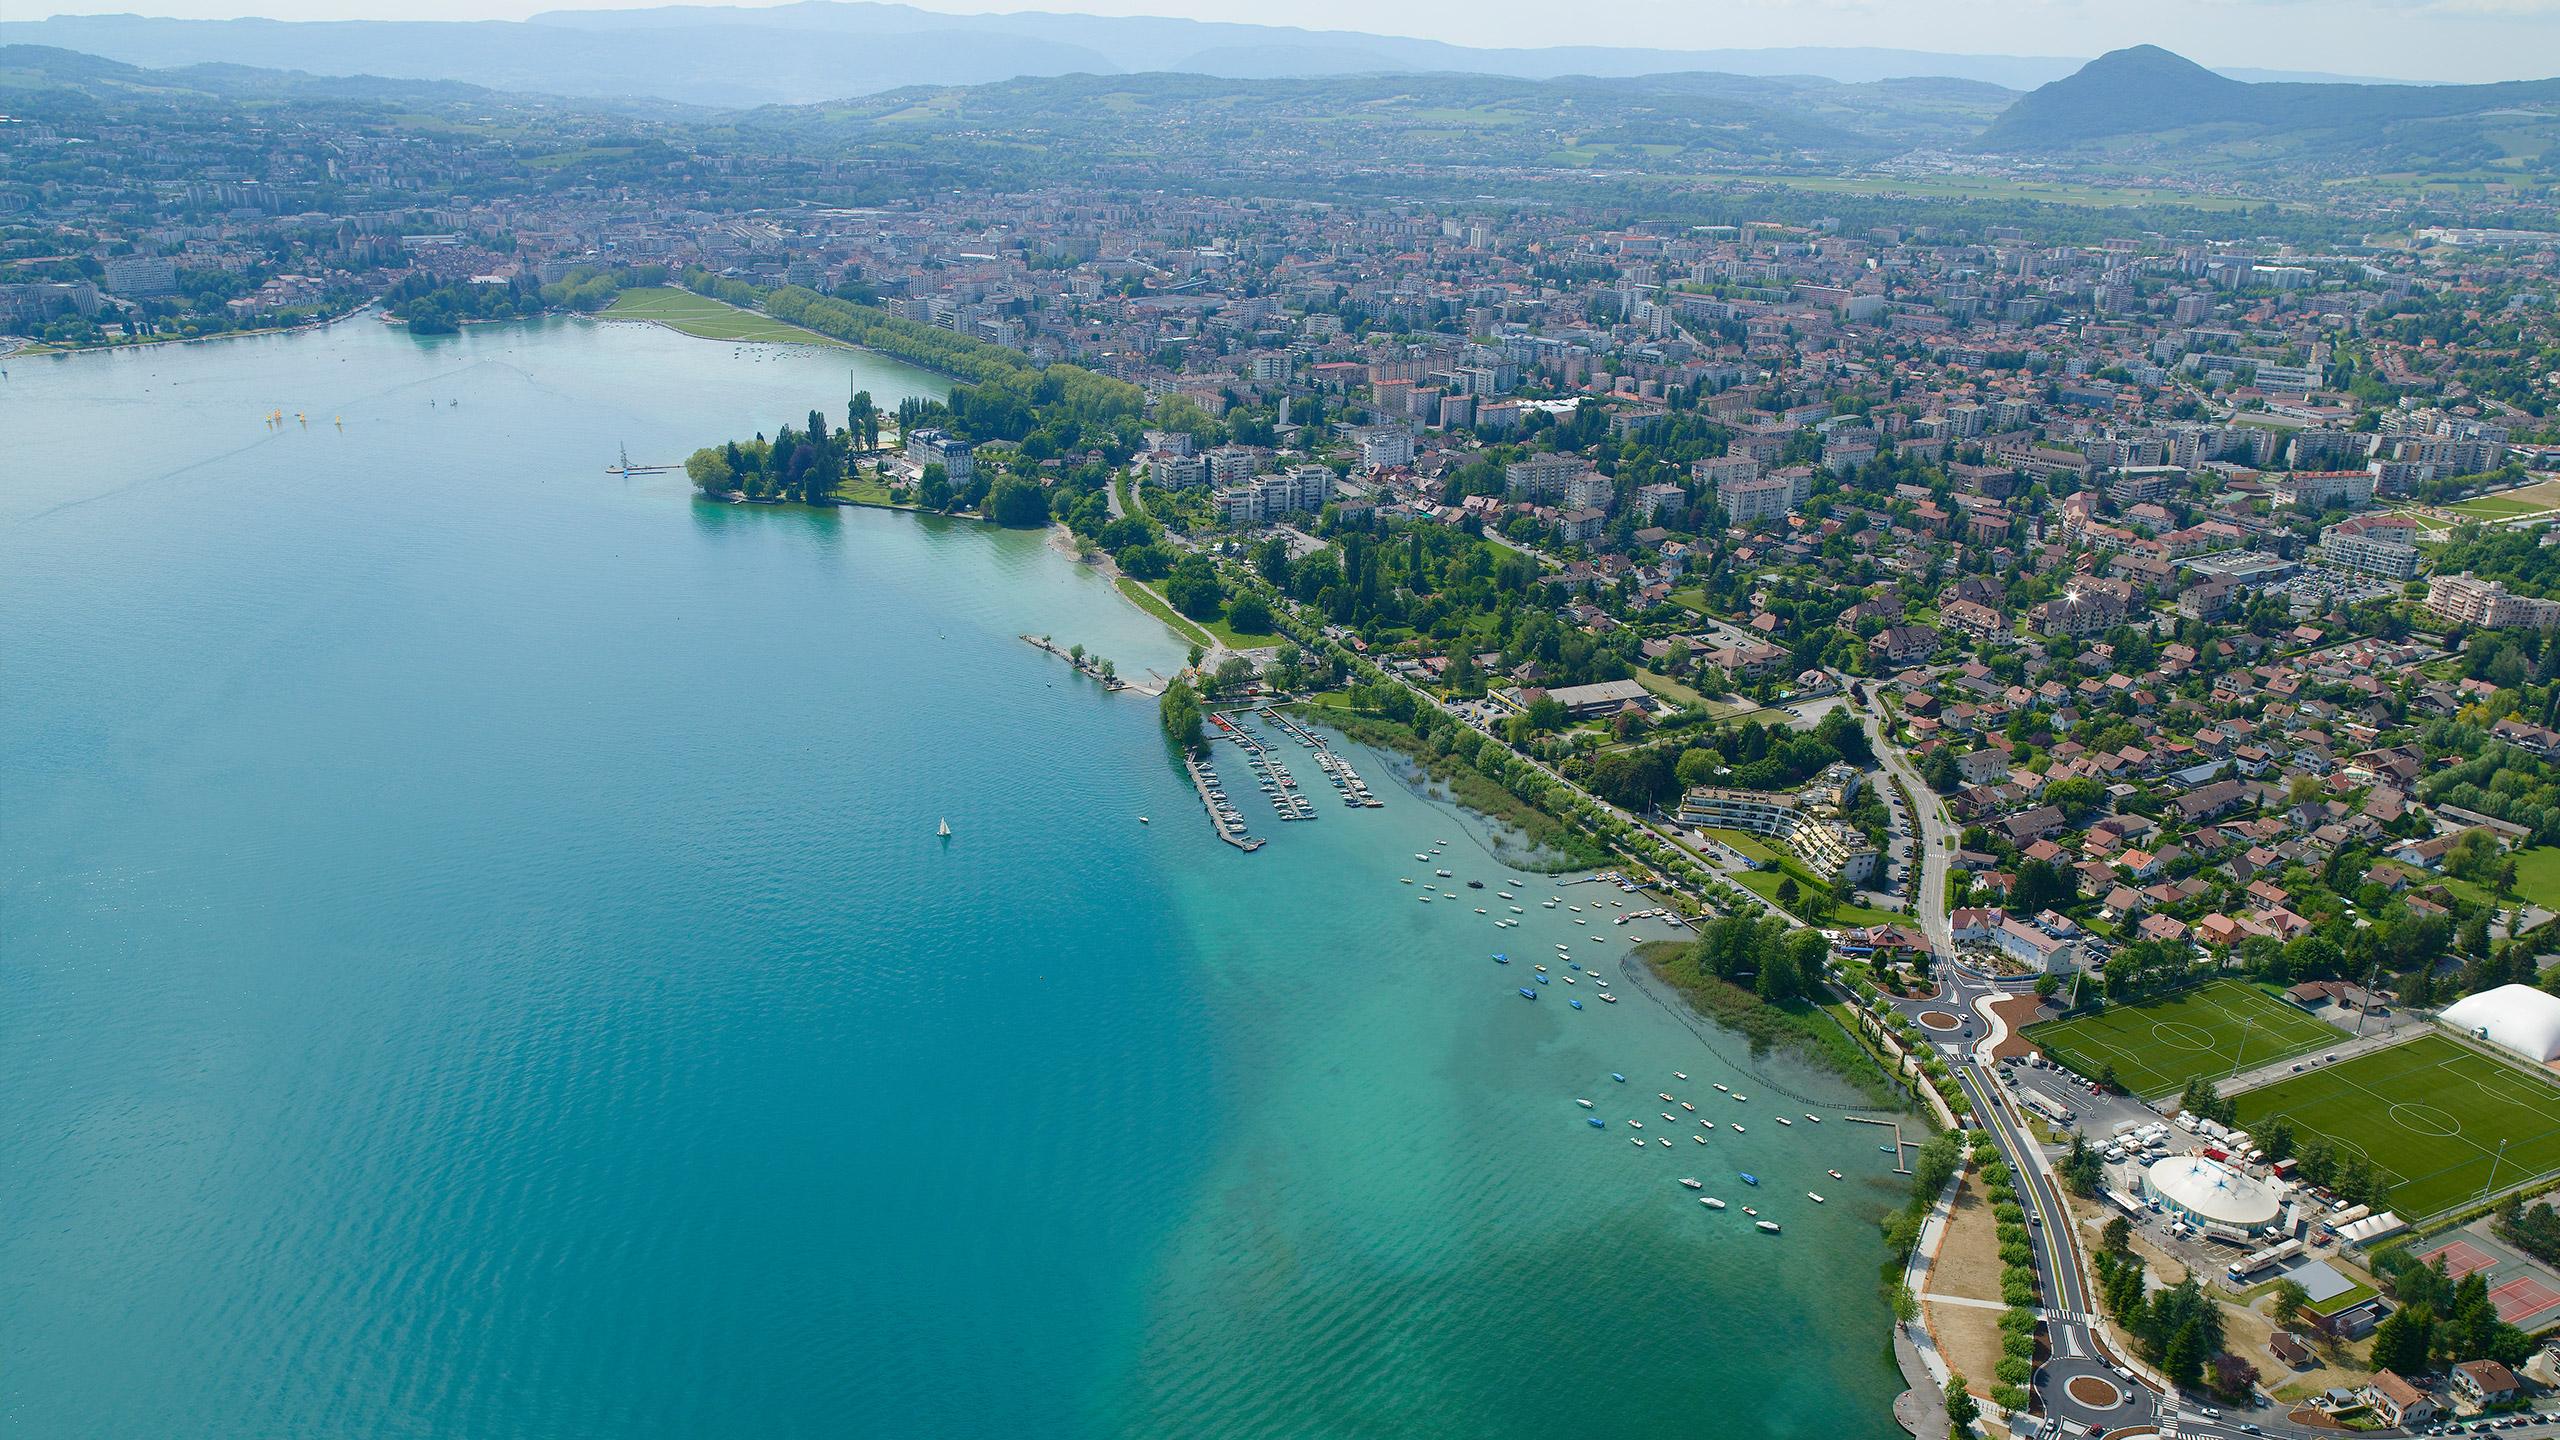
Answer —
2467 40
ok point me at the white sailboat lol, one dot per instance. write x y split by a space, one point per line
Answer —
945 830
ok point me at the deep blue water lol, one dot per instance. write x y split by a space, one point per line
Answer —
478 964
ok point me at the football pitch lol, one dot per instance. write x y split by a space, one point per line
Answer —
705 318
2210 1032
2430 1115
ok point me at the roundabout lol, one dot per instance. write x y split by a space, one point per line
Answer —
2095 1392
1938 1020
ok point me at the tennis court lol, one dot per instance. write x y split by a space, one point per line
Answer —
2442 1123
2157 1046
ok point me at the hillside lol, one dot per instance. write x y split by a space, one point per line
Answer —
1170 121
2146 101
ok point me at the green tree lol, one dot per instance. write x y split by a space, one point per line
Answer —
1194 589
709 470
1017 503
2402 1342
1179 711
1962 1409
1249 615
2287 1304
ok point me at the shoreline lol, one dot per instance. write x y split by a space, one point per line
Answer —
43 348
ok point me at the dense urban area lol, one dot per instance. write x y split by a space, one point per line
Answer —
2093 658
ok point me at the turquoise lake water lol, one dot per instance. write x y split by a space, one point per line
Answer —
475 961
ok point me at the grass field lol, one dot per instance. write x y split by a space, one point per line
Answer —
2429 1114
708 319
2157 1046
2538 875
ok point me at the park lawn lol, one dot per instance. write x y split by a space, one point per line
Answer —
1145 598
1692 598
2157 1046
708 319
2538 875
2439 1121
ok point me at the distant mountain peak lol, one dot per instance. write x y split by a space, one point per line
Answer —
2143 91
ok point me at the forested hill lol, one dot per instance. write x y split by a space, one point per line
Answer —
2147 96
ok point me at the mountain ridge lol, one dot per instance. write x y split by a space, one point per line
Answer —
838 49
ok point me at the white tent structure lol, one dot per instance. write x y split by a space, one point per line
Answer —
2513 1017
2209 1192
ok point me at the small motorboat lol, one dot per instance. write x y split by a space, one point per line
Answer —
1701 1139
1736 1129
1750 1179
1596 1122
1676 1075
1685 1105
1886 1149
1418 855
1693 1182
1475 884
1443 874
1576 1004
1834 1174
1662 1096
1711 1202
1585 1104
1667 1115
1783 1120
1769 1225
1501 959
1666 1142
1739 1097
1404 880
1816 1119
1614 1075
1747 1210
1612 999
1142 819
1528 994
1568 979
1816 1199
1542 979
1724 1087
1635 1124
1542 969
1638 1142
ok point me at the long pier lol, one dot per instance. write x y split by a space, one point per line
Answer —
1204 779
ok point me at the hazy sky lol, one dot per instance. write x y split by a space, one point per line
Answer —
2416 39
